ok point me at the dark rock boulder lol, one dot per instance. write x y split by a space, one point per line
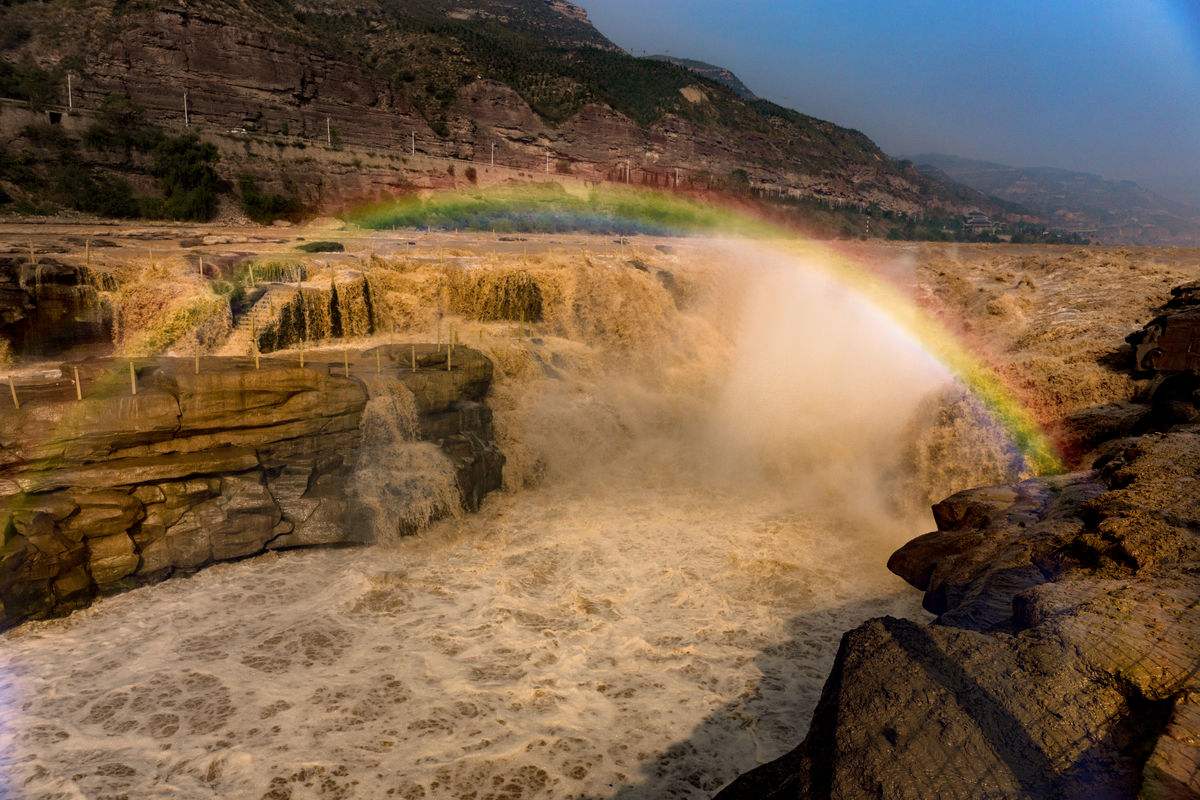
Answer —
1064 661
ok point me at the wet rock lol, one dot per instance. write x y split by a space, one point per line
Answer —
111 558
1065 658
116 489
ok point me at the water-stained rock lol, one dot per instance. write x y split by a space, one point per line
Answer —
212 461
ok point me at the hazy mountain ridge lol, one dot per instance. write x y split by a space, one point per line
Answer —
713 72
1111 210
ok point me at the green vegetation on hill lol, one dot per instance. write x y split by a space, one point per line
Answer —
47 166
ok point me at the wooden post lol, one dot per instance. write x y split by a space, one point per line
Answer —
78 385
200 263
346 361
187 119
32 253
413 146
301 356
413 356
449 356
328 133
13 388
132 378
251 274
256 357
493 154
87 252
378 366
70 94
196 363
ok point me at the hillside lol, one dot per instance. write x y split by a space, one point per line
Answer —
714 73
1107 210
531 78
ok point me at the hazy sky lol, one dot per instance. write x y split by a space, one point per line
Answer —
1106 86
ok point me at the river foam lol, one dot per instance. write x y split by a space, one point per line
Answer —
697 509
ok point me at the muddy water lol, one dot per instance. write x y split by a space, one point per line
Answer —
655 616
637 641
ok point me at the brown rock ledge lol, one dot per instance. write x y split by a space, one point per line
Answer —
117 490
1065 658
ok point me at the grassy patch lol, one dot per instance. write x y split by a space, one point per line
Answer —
322 247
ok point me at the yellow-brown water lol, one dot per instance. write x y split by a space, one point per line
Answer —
701 497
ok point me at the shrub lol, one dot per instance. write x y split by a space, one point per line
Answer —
90 191
29 82
322 247
190 184
471 174
50 137
263 207
121 125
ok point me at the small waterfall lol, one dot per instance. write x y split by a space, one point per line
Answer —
400 483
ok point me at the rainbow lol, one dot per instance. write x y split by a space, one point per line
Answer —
621 210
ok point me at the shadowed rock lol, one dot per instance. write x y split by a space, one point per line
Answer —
1065 658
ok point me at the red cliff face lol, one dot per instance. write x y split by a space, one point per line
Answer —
397 86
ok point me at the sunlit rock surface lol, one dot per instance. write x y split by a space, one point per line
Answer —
216 460
1064 659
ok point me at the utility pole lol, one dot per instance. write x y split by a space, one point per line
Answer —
187 121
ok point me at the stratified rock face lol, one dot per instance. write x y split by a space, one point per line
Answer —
118 489
254 72
48 307
1065 658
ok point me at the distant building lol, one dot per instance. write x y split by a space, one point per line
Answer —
977 222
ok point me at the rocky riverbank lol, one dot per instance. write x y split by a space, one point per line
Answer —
221 458
1064 658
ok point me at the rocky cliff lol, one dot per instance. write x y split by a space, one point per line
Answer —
220 459
1064 658
409 80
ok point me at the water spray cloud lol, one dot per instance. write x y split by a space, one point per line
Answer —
626 210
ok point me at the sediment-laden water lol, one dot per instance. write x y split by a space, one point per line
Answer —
711 512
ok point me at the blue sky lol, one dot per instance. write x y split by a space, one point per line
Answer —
1106 86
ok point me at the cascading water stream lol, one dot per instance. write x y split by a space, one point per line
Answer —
713 500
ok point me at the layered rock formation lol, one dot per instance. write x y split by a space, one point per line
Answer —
274 87
1064 661
220 460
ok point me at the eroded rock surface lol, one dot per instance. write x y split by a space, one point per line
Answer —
1064 659
211 462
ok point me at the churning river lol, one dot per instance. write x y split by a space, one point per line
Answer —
654 616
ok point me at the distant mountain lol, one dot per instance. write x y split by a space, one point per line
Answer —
530 80
713 73
1101 208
